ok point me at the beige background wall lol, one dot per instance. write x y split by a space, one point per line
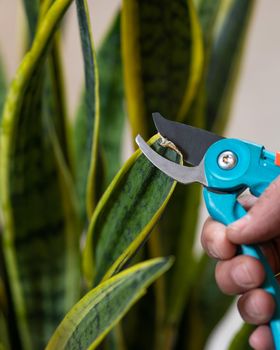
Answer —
256 109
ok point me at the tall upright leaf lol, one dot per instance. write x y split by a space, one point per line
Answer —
40 228
94 315
111 101
126 214
222 73
32 13
162 53
87 122
54 95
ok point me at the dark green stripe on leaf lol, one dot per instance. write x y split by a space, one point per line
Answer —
126 214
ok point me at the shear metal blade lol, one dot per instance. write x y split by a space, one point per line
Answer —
177 172
192 142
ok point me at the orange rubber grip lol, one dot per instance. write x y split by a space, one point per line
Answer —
277 158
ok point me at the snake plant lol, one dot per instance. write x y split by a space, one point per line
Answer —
83 235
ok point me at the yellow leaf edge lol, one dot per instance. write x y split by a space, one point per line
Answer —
63 331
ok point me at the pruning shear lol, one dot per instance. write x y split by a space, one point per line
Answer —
225 167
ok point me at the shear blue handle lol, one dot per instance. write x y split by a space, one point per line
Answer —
225 209
256 170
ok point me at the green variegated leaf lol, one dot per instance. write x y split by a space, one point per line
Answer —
54 99
87 122
207 11
40 229
126 214
162 52
222 72
240 340
94 315
111 101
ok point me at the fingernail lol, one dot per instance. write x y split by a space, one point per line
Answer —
242 276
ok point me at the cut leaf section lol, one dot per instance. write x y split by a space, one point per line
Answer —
163 57
126 213
94 315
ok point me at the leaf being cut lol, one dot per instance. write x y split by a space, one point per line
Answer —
40 237
94 315
126 214
162 53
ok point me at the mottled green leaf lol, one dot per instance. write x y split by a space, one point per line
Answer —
126 214
162 52
87 123
94 315
111 102
54 100
40 230
240 340
222 72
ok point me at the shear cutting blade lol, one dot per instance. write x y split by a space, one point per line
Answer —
192 142
177 172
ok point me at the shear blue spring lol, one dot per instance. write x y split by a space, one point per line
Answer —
225 167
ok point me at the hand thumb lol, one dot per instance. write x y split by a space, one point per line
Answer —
262 221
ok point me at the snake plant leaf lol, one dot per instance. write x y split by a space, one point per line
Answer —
222 73
126 213
111 101
54 95
96 313
240 340
207 11
87 123
40 237
163 58
207 304
32 13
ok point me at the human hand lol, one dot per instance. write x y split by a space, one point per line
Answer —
243 274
